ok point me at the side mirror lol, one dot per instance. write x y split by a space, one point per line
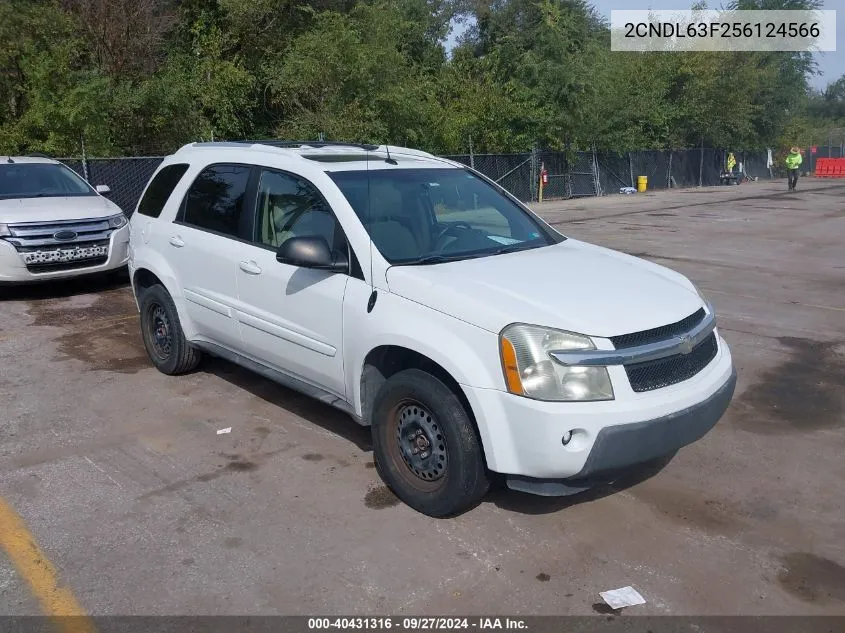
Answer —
311 252
103 190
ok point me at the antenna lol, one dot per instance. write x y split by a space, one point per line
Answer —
389 160
371 302
9 159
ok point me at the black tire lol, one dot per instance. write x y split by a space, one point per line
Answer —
162 332
452 477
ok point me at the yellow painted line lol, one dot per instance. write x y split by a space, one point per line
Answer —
56 601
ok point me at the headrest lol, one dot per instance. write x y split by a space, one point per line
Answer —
386 202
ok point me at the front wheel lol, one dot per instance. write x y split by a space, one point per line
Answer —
426 446
162 333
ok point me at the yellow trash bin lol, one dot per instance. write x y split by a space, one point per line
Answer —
642 183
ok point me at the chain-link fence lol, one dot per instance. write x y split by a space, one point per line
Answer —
126 177
568 174
514 172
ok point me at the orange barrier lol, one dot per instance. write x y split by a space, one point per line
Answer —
830 168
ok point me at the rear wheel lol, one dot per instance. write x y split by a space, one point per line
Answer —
162 333
425 445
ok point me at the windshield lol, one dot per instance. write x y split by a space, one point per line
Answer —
37 180
432 215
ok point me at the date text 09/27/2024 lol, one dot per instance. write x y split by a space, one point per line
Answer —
416 623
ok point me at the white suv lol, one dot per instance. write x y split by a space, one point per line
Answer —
54 225
428 303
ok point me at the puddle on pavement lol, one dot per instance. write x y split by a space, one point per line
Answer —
802 394
115 346
380 497
812 578
236 464
689 508
79 309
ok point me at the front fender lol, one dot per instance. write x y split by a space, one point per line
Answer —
468 353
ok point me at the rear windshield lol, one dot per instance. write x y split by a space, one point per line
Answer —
427 216
41 180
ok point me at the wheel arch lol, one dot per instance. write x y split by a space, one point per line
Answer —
146 274
384 361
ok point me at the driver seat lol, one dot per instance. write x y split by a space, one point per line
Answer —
389 223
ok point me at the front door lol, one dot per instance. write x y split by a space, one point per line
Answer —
290 317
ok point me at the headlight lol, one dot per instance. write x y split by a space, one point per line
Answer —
530 371
4 231
117 221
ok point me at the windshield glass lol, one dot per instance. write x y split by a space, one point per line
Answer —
432 215
36 180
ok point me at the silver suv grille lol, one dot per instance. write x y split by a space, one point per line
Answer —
61 245
656 374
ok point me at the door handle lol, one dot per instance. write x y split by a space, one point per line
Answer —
250 268
177 241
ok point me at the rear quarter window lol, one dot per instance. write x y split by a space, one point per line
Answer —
162 185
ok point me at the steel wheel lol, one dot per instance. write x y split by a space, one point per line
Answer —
160 331
419 449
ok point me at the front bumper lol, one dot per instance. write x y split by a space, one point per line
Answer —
618 448
523 438
13 270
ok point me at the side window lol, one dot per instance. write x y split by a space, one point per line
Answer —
288 207
216 199
162 185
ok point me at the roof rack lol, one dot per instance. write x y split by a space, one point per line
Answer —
276 143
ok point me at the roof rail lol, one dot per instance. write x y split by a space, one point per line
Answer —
38 155
291 144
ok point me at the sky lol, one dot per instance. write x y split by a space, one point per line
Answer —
832 65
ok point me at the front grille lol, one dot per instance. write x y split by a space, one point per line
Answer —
40 235
62 246
80 244
655 374
659 333
55 266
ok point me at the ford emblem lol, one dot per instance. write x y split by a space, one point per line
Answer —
64 236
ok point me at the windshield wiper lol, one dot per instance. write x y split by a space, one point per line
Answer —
439 259
432 259
510 248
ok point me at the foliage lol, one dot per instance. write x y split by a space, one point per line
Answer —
146 76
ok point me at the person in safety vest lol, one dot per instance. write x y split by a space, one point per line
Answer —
731 162
793 162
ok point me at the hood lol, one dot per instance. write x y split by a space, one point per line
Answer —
571 286
51 209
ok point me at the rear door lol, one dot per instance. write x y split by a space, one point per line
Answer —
203 248
290 317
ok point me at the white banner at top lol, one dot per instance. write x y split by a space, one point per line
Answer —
713 30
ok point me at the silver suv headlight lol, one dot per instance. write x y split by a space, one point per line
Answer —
117 221
531 372
4 231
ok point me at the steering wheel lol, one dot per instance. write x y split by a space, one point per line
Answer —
448 229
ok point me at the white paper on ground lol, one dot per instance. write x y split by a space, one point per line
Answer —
624 597
228 429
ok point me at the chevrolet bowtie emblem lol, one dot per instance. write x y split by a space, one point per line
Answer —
685 344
